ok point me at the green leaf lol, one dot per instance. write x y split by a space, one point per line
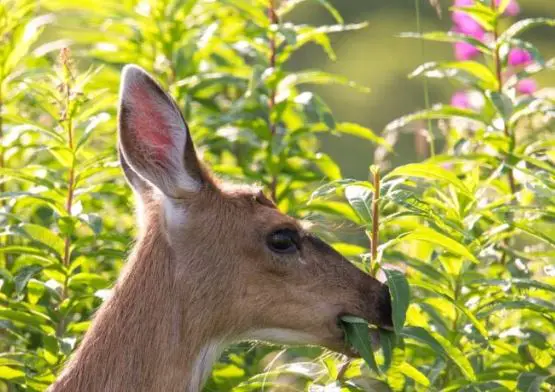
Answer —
358 335
27 317
517 282
429 172
11 374
528 229
313 77
327 166
530 382
336 208
436 112
348 250
425 268
442 347
24 275
530 303
523 25
460 70
288 6
56 205
541 358
425 234
361 132
502 104
336 186
333 12
25 36
400 297
451 37
35 175
388 340
410 371
463 309
315 109
360 198
28 250
92 280
30 127
44 236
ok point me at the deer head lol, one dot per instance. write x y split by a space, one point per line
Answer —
221 263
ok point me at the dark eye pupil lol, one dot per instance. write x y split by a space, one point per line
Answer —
283 241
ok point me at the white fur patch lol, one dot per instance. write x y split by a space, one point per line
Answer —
281 336
202 365
175 214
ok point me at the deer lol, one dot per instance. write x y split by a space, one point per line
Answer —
214 263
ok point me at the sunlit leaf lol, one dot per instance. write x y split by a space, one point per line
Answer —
410 371
362 132
400 297
358 334
430 172
523 25
24 275
442 347
360 198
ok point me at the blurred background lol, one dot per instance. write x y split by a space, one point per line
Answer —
371 56
368 56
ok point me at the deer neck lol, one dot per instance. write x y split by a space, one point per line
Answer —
148 336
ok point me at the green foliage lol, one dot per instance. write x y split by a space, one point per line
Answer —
470 228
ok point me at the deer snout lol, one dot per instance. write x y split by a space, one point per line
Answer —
376 304
384 308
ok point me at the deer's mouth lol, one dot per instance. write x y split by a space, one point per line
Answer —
347 348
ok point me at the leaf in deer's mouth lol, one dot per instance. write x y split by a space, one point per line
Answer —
357 334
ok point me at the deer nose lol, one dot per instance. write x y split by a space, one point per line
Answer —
384 308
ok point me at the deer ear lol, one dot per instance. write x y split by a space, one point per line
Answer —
154 139
141 186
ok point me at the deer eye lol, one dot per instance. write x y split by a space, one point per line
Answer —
283 241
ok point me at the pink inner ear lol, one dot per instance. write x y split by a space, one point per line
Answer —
152 127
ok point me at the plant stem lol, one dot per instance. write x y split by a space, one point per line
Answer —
2 185
272 15
7 259
375 221
343 370
499 77
67 120
431 140
506 130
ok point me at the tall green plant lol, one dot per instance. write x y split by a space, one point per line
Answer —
473 226
67 216
64 251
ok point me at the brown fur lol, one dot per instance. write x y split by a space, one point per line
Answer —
210 281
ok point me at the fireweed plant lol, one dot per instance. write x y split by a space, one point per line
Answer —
470 228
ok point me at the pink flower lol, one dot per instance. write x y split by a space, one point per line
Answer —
526 86
465 51
512 9
460 100
518 56
465 24
463 3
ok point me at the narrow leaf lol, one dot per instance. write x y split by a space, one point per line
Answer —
358 334
425 234
430 172
400 297
442 347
